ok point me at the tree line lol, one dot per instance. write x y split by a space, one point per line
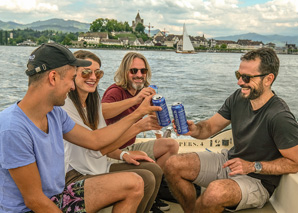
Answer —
13 37
16 36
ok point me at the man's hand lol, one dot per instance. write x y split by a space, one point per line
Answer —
135 156
143 94
239 166
191 126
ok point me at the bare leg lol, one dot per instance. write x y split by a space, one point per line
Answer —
151 174
124 190
218 195
163 149
180 171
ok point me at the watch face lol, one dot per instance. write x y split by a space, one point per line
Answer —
258 167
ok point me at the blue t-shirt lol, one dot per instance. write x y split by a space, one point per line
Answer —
23 143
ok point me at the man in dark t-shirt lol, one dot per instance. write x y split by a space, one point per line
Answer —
265 135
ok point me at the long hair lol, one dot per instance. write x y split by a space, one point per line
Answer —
92 101
120 77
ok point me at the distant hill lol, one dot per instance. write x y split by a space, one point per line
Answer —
51 24
75 26
279 40
152 32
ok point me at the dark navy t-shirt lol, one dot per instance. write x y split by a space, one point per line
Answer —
259 134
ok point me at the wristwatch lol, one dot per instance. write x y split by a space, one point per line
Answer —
122 153
258 167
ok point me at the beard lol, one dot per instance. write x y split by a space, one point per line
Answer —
137 86
254 93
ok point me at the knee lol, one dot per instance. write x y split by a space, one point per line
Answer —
213 194
156 170
172 145
136 184
171 165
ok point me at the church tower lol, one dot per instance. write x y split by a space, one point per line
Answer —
137 20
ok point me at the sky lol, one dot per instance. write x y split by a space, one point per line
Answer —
211 18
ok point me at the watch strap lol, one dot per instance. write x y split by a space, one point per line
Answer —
122 153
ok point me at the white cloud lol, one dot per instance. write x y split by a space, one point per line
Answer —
209 17
27 6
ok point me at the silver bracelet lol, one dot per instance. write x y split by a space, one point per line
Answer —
122 153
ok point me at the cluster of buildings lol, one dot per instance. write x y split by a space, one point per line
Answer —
90 39
169 40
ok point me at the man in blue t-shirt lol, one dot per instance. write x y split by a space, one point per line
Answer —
265 135
32 152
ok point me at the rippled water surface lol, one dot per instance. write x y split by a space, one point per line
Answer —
200 81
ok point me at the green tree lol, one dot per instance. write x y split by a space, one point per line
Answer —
42 39
140 28
66 41
223 46
1 37
127 27
109 25
6 37
98 25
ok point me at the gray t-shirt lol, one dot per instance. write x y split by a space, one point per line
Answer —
259 134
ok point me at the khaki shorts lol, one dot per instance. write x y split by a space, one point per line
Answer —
142 146
254 194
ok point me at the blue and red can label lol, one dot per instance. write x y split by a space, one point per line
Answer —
162 116
180 118
154 87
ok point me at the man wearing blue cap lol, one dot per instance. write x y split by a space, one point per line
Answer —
32 152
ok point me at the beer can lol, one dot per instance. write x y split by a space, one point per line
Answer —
162 116
154 87
180 118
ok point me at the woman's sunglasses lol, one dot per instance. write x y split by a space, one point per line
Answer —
246 78
87 73
134 71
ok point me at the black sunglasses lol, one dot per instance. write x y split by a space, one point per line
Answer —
87 73
246 78
135 71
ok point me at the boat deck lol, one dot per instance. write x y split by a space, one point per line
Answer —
268 208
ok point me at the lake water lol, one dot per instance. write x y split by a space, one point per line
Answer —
200 81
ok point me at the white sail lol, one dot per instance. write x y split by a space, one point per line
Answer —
186 46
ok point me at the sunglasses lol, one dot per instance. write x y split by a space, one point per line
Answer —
135 71
87 73
246 78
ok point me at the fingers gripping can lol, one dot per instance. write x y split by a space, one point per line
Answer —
162 116
154 87
180 118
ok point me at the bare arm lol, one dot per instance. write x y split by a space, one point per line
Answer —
287 164
205 129
148 123
110 110
100 138
28 181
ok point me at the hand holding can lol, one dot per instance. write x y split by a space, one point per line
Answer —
180 118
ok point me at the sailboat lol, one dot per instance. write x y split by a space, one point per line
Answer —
185 45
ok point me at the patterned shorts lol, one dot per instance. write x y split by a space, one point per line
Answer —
72 198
